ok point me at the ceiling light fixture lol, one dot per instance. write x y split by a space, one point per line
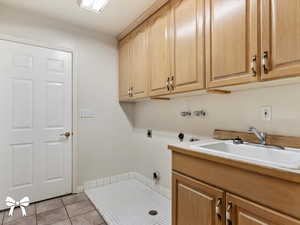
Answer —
93 5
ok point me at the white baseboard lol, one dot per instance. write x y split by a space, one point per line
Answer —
80 189
126 176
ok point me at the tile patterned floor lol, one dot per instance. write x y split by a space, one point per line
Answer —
69 210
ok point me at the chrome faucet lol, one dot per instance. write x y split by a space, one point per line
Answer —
262 139
260 135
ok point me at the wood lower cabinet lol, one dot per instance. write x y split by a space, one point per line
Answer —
231 42
189 37
244 212
210 190
160 51
280 38
195 203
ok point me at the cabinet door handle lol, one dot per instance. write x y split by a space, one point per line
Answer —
131 92
168 84
172 83
228 214
265 62
254 65
219 208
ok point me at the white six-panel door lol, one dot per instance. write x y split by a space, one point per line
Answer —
35 112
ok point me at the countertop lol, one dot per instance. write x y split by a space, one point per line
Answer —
264 169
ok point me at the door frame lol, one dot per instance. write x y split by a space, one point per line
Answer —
74 74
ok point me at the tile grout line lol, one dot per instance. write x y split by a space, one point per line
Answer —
35 212
94 209
3 217
98 211
61 207
82 213
69 217
65 207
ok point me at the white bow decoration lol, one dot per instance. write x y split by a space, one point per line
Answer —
10 202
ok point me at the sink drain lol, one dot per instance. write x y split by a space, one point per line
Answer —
153 212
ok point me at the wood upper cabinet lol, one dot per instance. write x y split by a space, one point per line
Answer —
189 55
195 203
125 66
244 212
140 60
133 65
160 50
231 42
190 45
280 38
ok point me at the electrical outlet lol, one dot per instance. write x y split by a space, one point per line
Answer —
266 113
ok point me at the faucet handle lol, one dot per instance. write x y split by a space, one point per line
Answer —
251 129
261 135
238 141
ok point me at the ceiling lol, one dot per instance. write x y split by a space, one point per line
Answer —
117 15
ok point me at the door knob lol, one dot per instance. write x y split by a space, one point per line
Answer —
66 134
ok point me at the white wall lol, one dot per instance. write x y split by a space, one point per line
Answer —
236 111
151 154
104 142
107 145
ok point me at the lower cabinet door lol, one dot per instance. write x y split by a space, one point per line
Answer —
196 203
243 212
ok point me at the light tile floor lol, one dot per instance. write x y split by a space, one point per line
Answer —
69 210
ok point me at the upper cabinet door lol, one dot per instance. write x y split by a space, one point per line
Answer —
140 63
124 69
189 35
280 38
231 42
160 51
